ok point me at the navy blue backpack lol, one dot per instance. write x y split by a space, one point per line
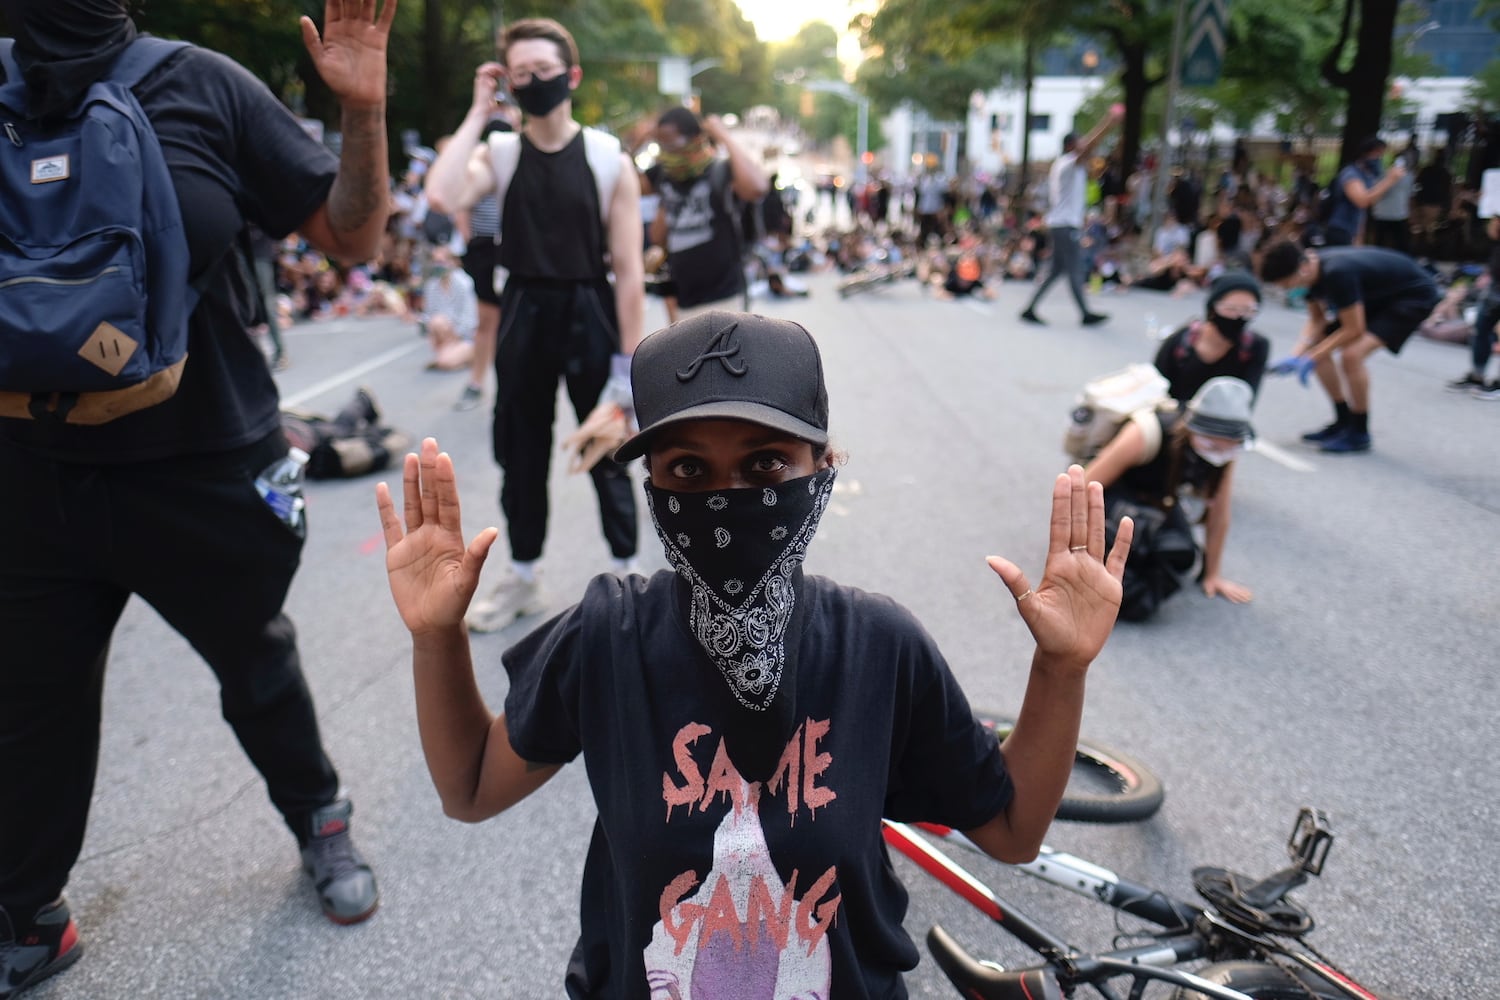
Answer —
94 291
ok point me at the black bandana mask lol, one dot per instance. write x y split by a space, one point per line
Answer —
1232 329
539 97
739 552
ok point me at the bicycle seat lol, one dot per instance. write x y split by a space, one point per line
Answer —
985 982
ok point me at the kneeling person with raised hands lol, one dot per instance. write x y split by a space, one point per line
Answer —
740 718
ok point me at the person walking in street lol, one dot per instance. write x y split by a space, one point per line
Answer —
1376 298
569 202
1358 186
157 501
1068 186
744 725
703 197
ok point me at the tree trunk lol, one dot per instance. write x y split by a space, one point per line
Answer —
1366 79
1029 70
436 112
1136 85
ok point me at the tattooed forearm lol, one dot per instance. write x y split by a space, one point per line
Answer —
359 199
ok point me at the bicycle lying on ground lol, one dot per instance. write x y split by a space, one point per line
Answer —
1250 932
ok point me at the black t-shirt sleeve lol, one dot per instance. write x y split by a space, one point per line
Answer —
948 768
1340 287
1167 361
541 708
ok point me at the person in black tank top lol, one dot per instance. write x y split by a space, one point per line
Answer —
569 216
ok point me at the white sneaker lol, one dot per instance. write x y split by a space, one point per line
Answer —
511 599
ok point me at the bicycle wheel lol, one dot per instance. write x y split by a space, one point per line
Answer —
1107 786
1263 982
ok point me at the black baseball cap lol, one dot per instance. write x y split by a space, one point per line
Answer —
728 365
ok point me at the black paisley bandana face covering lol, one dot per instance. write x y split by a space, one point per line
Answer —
739 551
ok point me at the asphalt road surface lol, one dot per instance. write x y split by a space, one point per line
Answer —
1360 680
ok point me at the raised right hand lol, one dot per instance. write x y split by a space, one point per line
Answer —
432 574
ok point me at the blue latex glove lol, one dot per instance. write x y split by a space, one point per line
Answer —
1293 364
617 388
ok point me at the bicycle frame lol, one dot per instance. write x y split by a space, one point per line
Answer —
1185 936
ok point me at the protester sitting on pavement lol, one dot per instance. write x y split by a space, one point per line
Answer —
741 721
1161 461
1379 297
1221 343
450 313
1484 344
161 502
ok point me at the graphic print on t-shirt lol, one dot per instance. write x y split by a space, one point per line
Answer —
738 932
692 218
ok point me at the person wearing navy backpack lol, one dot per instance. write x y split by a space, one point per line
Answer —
115 492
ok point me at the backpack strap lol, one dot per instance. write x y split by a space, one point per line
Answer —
8 60
603 153
141 57
505 153
600 148
722 191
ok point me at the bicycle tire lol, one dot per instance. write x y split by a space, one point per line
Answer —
1132 791
1262 981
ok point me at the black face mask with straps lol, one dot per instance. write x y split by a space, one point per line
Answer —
539 97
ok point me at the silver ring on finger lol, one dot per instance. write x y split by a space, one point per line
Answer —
1029 593
1078 548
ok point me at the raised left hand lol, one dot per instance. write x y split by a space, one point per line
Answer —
350 54
1072 611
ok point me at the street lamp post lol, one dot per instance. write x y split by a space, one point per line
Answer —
862 129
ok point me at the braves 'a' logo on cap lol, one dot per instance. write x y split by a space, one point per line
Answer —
721 348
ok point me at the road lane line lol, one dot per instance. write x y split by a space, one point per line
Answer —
1282 457
349 375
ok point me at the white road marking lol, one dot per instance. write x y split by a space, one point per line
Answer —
349 375
1282 457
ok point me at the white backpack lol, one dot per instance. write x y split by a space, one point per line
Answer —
1110 400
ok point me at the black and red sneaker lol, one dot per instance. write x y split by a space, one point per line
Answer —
346 885
33 951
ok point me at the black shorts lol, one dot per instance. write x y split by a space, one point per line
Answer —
480 260
1395 322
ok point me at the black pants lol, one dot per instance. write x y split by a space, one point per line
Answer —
196 542
1067 262
552 331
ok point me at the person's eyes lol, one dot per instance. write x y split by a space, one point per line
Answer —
768 463
684 468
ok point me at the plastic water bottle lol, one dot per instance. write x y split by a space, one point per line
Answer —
280 486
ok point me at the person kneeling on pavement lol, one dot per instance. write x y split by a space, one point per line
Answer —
1161 462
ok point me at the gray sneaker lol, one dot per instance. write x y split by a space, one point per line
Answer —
511 599
1489 391
345 884
468 399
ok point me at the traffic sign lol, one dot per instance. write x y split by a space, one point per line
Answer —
1204 51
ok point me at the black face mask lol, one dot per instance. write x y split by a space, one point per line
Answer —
539 97
739 552
64 46
1232 329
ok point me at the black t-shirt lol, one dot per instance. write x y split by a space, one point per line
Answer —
235 155
696 876
1372 275
703 246
550 225
1185 372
